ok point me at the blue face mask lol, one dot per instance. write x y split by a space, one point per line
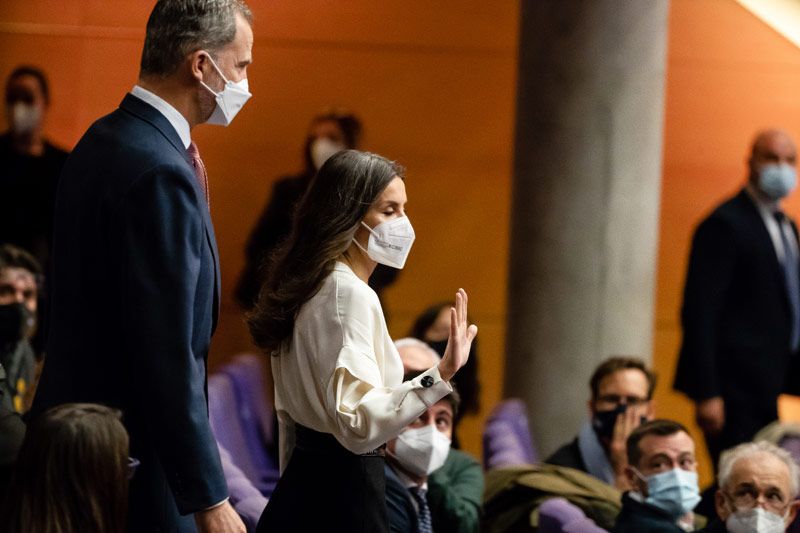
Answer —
777 180
674 491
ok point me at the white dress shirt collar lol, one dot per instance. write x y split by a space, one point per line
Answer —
174 117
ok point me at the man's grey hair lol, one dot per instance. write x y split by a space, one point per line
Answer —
751 449
177 28
407 342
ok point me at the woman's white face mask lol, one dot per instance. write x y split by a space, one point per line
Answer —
389 242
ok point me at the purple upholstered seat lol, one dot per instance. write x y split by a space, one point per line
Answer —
245 498
226 425
506 436
557 515
248 373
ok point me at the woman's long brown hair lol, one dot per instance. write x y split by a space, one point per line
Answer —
323 226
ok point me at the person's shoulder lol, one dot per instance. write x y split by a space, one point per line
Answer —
461 459
351 291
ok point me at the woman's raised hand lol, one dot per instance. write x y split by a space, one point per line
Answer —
460 340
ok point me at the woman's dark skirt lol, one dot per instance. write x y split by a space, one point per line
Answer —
325 487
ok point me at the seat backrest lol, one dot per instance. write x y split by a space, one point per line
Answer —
557 515
226 424
507 439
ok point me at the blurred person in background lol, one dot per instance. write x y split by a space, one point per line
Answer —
71 474
19 281
741 302
30 165
621 400
329 132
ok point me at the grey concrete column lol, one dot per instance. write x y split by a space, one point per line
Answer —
587 170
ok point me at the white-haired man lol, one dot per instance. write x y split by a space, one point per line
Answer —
758 485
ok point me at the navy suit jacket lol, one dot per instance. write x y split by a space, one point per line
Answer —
134 305
736 319
403 515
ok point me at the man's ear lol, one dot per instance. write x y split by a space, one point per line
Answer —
719 505
590 405
635 481
650 410
198 63
792 512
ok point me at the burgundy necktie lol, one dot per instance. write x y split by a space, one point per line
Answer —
199 170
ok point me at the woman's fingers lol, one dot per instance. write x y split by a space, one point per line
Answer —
472 332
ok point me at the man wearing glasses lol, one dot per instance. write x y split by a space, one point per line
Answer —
622 392
758 489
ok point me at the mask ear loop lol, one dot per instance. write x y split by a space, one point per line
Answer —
221 75
359 244
642 478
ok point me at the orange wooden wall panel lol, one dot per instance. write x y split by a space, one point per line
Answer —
433 82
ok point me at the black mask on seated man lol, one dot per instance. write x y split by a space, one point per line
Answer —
16 323
603 421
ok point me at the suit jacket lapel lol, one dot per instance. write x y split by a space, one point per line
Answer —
764 240
152 116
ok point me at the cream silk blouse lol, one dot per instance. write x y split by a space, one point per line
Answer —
341 373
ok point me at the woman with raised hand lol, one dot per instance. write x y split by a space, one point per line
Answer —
339 389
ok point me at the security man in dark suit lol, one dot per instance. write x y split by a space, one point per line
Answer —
136 275
741 309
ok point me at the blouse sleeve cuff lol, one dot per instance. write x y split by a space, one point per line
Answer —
430 387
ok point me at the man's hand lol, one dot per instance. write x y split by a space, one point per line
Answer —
617 447
461 336
219 519
710 415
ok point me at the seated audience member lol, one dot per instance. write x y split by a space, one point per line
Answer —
622 392
421 463
18 304
662 470
12 431
71 474
758 485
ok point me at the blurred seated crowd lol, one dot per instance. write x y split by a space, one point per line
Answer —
628 469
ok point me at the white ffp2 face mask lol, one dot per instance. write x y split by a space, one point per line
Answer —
755 520
24 118
389 242
322 149
230 100
421 450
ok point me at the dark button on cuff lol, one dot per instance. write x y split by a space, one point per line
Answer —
427 381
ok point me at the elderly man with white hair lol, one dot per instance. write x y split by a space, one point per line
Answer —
430 486
758 485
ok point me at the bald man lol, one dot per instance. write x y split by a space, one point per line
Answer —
741 307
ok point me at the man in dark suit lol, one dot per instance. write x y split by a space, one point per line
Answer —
741 309
136 276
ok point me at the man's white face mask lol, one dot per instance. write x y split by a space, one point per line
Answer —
230 100
24 118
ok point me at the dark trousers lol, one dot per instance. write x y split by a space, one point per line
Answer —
327 488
